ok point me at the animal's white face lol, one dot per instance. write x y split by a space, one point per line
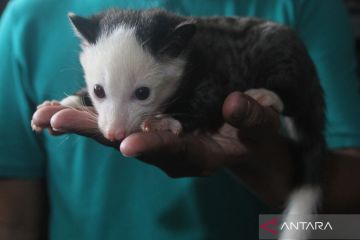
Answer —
125 82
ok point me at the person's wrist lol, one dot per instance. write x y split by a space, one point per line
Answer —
267 170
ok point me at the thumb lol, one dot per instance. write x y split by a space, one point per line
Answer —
250 117
140 143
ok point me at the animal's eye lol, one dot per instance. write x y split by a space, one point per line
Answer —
142 93
99 91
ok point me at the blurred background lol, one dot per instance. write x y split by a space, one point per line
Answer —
353 7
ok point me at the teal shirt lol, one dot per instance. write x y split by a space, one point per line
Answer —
94 192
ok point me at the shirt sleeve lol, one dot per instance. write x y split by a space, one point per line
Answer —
21 151
325 29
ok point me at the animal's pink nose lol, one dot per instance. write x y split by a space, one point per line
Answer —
115 135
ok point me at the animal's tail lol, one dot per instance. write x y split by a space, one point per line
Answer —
309 150
302 202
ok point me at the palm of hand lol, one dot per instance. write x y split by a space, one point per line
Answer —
178 156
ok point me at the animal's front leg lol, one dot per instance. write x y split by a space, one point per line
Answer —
161 122
70 101
74 101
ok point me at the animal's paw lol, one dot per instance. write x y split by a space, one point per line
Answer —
161 123
266 98
35 127
72 101
48 103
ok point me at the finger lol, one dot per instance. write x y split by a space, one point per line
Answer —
79 122
246 114
54 132
42 116
72 120
140 143
75 121
162 149
177 156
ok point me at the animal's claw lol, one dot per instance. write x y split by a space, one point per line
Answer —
266 98
48 103
161 123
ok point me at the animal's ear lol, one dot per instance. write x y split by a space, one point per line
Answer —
179 38
87 29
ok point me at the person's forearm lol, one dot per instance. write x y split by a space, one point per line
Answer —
19 233
341 181
268 172
23 209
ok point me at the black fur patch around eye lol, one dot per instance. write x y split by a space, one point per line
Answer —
84 95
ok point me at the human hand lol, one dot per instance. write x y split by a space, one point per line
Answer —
248 125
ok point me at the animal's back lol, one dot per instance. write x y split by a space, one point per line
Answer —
237 54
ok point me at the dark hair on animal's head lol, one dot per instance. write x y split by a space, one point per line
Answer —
88 29
161 32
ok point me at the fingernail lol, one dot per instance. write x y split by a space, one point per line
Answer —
131 155
57 130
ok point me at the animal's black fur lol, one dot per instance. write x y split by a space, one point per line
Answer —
227 54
